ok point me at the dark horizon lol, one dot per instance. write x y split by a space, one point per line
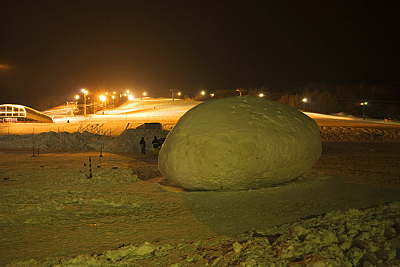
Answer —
56 48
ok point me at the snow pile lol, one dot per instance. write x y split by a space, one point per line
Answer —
129 139
239 143
335 133
352 238
97 128
369 237
63 141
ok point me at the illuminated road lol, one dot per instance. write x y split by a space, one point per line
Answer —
332 120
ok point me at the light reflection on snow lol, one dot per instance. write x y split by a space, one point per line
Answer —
325 116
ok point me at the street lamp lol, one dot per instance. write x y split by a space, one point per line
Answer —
261 95
76 105
113 97
85 92
142 95
304 100
364 104
202 94
179 94
104 99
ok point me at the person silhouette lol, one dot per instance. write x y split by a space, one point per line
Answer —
143 145
156 144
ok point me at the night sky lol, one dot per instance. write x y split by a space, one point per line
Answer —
58 47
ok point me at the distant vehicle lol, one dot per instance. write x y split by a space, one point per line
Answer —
20 113
151 125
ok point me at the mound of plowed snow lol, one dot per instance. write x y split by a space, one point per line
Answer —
50 141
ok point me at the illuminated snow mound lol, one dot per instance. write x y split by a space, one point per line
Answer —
239 143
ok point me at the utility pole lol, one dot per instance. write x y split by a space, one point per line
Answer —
172 92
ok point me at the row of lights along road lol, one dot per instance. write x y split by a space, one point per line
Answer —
103 98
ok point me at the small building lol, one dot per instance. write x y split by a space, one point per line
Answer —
20 113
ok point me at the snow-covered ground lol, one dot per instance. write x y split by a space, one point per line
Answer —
345 211
334 215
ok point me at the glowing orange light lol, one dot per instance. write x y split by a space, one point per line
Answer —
103 98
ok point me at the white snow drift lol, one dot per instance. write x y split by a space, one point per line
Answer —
239 143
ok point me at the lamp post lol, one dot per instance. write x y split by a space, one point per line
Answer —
104 99
363 104
202 93
304 100
76 104
84 101
142 95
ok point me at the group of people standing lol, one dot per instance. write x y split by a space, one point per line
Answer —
156 145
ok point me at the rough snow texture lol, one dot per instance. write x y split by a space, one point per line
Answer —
50 141
355 237
239 143
335 133
129 140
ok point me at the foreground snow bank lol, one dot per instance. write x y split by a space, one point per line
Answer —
336 133
63 141
127 141
369 237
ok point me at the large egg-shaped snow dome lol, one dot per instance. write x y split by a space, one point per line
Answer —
239 143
